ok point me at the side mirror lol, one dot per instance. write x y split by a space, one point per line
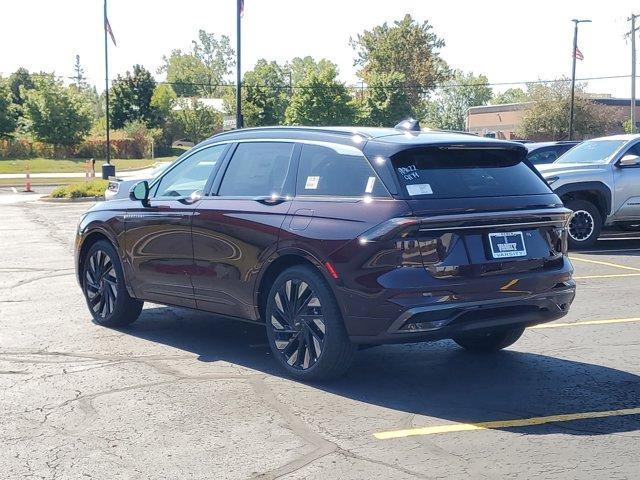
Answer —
140 192
629 160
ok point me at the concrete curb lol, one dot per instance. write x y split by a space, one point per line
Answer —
72 200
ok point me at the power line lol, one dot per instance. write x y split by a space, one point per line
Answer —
359 86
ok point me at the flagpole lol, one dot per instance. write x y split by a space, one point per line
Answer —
573 73
108 170
573 77
238 72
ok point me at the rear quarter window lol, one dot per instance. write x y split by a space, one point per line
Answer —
447 172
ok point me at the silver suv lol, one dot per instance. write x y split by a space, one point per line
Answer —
599 180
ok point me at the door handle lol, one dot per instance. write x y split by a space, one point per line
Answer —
271 199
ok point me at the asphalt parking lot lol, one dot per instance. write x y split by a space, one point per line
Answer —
183 395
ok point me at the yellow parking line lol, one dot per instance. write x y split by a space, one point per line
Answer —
607 264
521 422
611 275
588 322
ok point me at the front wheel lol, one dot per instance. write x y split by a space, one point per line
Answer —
104 289
490 340
585 224
305 328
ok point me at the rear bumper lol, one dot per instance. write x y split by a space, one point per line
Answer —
436 322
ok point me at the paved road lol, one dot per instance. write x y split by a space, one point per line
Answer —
182 395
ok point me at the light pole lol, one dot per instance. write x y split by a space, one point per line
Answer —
573 72
632 33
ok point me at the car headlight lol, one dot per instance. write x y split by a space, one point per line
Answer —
550 180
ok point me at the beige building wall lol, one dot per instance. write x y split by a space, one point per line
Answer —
503 120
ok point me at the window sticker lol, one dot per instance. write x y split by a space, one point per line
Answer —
419 189
370 183
409 173
312 183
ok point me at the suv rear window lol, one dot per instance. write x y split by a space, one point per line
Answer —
448 172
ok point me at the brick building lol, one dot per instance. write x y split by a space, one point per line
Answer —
502 121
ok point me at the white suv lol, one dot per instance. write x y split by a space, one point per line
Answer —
599 180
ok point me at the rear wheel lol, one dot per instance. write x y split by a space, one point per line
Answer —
305 328
103 285
585 224
489 340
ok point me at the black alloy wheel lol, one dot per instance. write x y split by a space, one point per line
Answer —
298 324
585 224
305 327
103 285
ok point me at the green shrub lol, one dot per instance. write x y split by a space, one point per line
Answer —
94 188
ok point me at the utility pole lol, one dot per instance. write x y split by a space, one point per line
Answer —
240 10
106 81
573 72
632 33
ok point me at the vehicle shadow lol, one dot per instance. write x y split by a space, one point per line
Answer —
436 380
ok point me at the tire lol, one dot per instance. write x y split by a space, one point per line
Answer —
104 289
485 341
305 328
585 224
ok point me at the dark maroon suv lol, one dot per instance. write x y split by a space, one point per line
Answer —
337 237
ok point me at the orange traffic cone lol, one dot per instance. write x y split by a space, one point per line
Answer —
27 182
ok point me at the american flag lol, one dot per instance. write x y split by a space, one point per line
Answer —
578 54
107 27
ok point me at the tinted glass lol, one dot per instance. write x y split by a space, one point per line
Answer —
543 155
634 150
459 173
257 169
337 171
591 151
191 174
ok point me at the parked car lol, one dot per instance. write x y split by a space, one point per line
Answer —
119 187
183 142
541 153
337 237
599 180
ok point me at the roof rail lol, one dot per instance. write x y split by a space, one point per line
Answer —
346 131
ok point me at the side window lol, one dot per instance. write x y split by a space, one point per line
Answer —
338 172
191 174
257 169
543 155
633 150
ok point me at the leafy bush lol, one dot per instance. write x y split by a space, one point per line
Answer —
91 147
94 188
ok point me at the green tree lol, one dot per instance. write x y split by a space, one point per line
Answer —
163 100
321 99
448 110
8 111
201 71
385 101
130 98
196 121
78 75
547 116
407 47
265 94
19 81
56 114
299 68
511 95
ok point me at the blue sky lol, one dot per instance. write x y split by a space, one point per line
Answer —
501 39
